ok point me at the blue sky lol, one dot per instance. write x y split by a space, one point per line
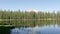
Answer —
44 5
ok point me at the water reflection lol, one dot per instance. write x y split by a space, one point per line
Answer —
50 29
34 26
23 31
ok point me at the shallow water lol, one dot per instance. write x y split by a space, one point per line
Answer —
49 29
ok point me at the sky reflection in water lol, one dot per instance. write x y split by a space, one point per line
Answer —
52 29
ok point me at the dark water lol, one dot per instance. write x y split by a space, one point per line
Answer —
5 30
49 29
33 27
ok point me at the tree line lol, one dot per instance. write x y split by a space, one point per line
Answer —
25 18
27 15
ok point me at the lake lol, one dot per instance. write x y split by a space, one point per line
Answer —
49 29
32 27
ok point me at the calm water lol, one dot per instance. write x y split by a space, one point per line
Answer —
32 27
47 29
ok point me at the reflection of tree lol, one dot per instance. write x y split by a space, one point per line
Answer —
26 18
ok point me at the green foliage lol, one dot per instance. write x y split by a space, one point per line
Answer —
25 18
